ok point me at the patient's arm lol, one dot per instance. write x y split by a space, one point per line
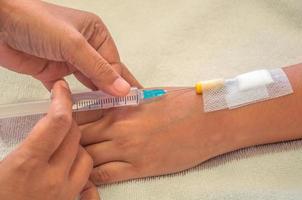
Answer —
174 133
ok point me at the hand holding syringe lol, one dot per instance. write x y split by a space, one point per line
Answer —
86 101
92 100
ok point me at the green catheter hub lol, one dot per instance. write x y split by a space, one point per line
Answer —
150 94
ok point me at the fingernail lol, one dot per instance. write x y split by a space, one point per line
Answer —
121 86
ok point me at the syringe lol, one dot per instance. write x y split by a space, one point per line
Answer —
100 100
83 102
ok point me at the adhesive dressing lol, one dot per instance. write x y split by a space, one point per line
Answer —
245 89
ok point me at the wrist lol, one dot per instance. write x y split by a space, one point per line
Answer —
212 131
264 122
219 131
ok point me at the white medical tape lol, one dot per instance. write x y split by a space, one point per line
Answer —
246 89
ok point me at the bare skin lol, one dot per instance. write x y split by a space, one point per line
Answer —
173 133
161 137
50 42
50 163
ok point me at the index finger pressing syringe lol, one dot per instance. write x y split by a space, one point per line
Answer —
86 101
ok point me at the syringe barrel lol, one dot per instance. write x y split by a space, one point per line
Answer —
100 100
85 101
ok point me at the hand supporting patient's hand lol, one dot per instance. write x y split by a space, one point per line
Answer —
49 42
161 137
50 164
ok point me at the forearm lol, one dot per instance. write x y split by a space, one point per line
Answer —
270 121
174 133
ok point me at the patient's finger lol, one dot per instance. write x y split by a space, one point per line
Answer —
84 117
113 172
95 132
104 152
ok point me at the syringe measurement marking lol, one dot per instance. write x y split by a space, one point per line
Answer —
89 103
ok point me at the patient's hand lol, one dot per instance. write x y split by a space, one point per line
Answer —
161 137
174 133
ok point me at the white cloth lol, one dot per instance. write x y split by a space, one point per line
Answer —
173 43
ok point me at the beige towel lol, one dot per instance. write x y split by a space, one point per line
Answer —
175 42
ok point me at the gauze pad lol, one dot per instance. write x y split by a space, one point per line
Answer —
254 79
246 89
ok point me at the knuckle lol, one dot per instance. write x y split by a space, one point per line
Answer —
125 143
93 17
72 42
102 68
77 41
62 118
101 175
90 17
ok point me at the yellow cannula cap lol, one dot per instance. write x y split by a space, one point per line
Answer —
198 87
209 84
